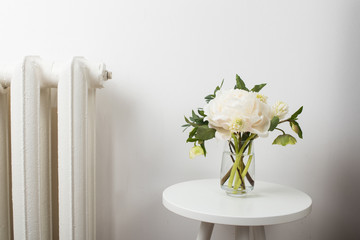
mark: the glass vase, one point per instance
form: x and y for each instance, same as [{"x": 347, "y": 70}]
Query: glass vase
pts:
[{"x": 237, "y": 174}]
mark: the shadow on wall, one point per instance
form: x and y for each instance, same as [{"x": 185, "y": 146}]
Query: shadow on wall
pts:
[
  {"x": 115, "y": 123},
  {"x": 343, "y": 191}
]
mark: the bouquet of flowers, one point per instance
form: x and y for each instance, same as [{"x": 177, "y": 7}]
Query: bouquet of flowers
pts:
[{"x": 239, "y": 116}]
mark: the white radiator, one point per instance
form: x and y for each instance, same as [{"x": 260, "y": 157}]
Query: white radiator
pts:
[{"x": 47, "y": 149}]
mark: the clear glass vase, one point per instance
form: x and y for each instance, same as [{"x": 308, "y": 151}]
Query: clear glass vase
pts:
[{"x": 237, "y": 175}]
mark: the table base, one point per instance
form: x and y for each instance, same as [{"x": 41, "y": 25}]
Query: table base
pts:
[{"x": 241, "y": 232}]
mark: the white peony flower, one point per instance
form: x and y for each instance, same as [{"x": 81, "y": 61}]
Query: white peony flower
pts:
[
  {"x": 280, "y": 109},
  {"x": 237, "y": 110}
]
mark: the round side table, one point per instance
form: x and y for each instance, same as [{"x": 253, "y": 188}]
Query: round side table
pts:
[{"x": 267, "y": 204}]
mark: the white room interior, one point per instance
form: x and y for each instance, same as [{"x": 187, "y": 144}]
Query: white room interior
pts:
[{"x": 166, "y": 56}]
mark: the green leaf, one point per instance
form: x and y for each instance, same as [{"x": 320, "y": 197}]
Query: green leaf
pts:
[
  {"x": 210, "y": 97},
  {"x": 192, "y": 140},
  {"x": 240, "y": 84},
  {"x": 198, "y": 120},
  {"x": 185, "y": 126},
  {"x": 296, "y": 128},
  {"x": 201, "y": 112},
  {"x": 294, "y": 116},
  {"x": 273, "y": 123},
  {"x": 193, "y": 132},
  {"x": 188, "y": 121},
  {"x": 284, "y": 140},
  {"x": 205, "y": 133},
  {"x": 257, "y": 88},
  {"x": 222, "y": 82},
  {"x": 218, "y": 87},
  {"x": 194, "y": 117}
]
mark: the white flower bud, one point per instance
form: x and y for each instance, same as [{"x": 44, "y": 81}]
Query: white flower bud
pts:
[
  {"x": 280, "y": 109},
  {"x": 237, "y": 125},
  {"x": 262, "y": 97},
  {"x": 196, "y": 151}
]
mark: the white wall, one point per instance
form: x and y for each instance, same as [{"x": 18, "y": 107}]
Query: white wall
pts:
[{"x": 166, "y": 56}]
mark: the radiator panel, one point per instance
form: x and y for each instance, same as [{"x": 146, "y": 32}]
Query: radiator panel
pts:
[
  {"x": 5, "y": 206},
  {"x": 50, "y": 174},
  {"x": 25, "y": 98},
  {"x": 72, "y": 152}
]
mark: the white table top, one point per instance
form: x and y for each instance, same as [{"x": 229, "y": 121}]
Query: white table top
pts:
[{"x": 267, "y": 204}]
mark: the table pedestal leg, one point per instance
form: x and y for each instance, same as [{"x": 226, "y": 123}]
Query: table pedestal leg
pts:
[
  {"x": 242, "y": 233},
  {"x": 259, "y": 233},
  {"x": 205, "y": 231}
]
